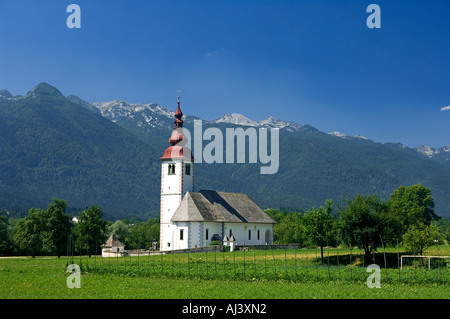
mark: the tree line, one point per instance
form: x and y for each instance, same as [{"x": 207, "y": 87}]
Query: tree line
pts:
[
  {"x": 368, "y": 222},
  {"x": 53, "y": 232}
]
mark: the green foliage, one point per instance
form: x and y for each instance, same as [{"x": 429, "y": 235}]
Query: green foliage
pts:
[
  {"x": 90, "y": 230},
  {"x": 27, "y": 233},
  {"x": 57, "y": 226},
  {"x": 319, "y": 225},
  {"x": 413, "y": 204},
  {"x": 361, "y": 222},
  {"x": 57, "y": 148},
  {"x": 6, "y": 244},
  {"x": 419, "y": 237},
  {"x": 290, "y": 229},
  {"x": 46, "y": 279},
  {"x": 444, "y": 229}
]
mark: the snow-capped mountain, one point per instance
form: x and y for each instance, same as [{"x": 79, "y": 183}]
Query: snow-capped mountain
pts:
[
  {"x": 151, "y": 114},
  {"x": 441, "y": 154},
  {"x": 432, "y": 152},
  {"x": 239, "y": 119},
  {"x": 339, "y": 134}
]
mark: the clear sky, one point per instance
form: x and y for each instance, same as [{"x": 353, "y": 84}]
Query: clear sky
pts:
[{"x": 313, "y": 62}]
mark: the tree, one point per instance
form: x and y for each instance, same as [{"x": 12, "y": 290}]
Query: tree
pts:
[
  {"x": 122, "y": 230},
  {"x": 361, "y": 222},
  {"x": 419, "y": 237},
  {"x": 413, "y": 205},
  {"x": 444, "y": 229},
  {"x": 57, "y": 226},
  {"x": 319, "y": 226},
  {"x": 290, "y": 229},
  {"x": 142, "y": 234},
  {"x": 5, "y": 236},
  {"x": 27, "y": 233},
  {"x": 90, "y": 229}
]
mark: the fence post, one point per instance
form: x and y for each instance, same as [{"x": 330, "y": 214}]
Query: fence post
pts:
[
  {"x": 234, "y": 262},
  {"x": 384, "y": 255},
  {"x": 162, "y": 264},
  {"x": 285, "y": 261},
  {"x": 317, "y": 267},
  {"x": 265, "y": 260},
  {"x": 439, "y": 258},
  {"x": 254, "y": 262},
  {"x": 339, "y": 269},
  {"x": 398, "y": 261},
  {"x": 328, "y": 260},
  {"x": 351, "y": 266},
  {"x": 295, "y": 262},
  {"x": 244, "y": 264}
]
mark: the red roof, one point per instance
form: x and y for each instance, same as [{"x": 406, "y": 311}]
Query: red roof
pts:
[{"x": 177, "y": 152}]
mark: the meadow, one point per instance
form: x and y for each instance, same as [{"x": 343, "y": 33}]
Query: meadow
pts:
[{"x": 253, "y": 274}]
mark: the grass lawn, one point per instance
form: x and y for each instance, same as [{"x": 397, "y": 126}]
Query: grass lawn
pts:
[{"x": 45, "y": 278}]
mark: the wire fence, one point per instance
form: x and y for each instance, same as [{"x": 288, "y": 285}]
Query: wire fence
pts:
[{"x": 285, "y": 263}]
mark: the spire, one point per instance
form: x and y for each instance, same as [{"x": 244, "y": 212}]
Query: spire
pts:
[
  {"x": 177, "y": 150},
  {"x": 178, "y": 114},
  {"x": 176, "y": 136}
]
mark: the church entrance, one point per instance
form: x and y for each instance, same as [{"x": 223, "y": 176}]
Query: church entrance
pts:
[{"x": 268, "y": 237}]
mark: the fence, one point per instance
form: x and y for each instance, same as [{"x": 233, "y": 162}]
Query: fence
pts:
[{"x": 278, "y": 263}]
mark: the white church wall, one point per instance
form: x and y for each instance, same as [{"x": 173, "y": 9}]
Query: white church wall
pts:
[
  {"x": 209, "y": 229},
  {"x": 188, "y": 179},
  {"x": 170, "y": 183},
  {"x": 250, "y": 233}
]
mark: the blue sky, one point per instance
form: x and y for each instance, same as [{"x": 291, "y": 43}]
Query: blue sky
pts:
[{"x": 313, "y": 62}]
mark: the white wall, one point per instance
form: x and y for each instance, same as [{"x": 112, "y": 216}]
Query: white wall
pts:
[
  {"x": 194, "y": 233},
  {"x": 240, "y": 231},
  {"x": 173, "y": 188}
]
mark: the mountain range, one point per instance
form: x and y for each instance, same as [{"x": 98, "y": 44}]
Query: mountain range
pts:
[{"x": 107, "y": 154}]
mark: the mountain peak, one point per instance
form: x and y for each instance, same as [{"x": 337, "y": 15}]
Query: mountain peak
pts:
[
  {"x": 236, "y": 118},
  {"x": 239, "y": 119},
  {"x": 44, "y": 89},
  {"x": 5, "y": 94}
]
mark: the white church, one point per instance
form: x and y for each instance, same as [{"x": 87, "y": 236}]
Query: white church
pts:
[{"x": 191, "y": 219}]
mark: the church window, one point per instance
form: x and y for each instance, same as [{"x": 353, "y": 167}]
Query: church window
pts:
[
  {"x": 207, "y": 234},
  {"x": 231, "y": 233},
  {"x": 181, "y": 234},
  {"x": 249, "y": 234},
  {"x": 258, "y": 234},
  {"x": 171, "y": 169},
  {"x": 188, "y": 169}
]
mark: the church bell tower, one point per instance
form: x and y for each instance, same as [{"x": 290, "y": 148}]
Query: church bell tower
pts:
[{"x": 177, "y": 178}]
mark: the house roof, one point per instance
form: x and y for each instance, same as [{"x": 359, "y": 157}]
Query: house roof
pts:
[
  {"x": 113, "y": 242},
  {"x": 212, "y": 206}
]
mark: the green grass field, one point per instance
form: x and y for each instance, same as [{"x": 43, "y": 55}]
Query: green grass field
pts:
[{"x": 290, "y": 274}]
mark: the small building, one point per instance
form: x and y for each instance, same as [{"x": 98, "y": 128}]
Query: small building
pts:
[{"x": 113, "y": 247}]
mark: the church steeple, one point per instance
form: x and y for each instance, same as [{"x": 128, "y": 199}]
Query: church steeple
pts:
[
  {"x": 177, "y": 178},
  {"x": 177, "y": 150},
  {"x": 178, "y": 115}
]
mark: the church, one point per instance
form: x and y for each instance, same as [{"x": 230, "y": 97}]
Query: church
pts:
[{"x": 191, "y": 219}]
